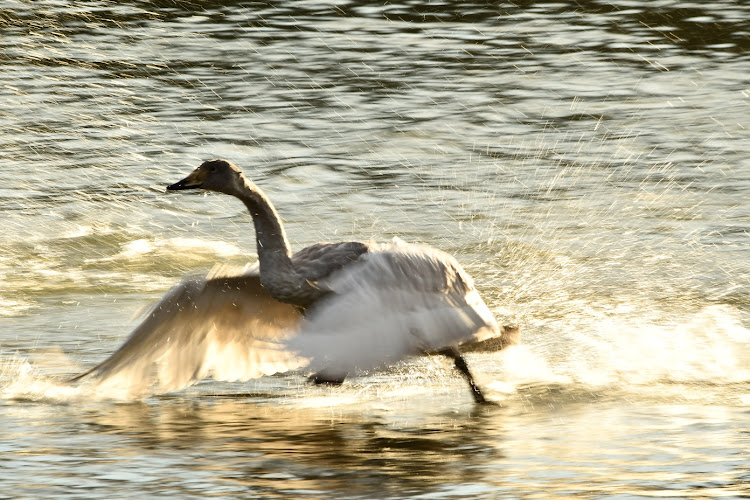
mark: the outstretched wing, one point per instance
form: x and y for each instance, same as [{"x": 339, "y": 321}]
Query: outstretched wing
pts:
[
  {"x": 396, "y": 301},
  {"x": 225, "y": 326}
]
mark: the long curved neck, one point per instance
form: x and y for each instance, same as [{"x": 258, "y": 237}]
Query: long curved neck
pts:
[
  {"x": 277, "y": 272},
  {"x": 269, "y": 232}
]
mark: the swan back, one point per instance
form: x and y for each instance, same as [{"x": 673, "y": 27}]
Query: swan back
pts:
[{"x": 322, "y": 260}]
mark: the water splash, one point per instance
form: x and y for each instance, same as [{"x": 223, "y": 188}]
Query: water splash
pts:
[
  {"x": 619, "y": 354},
  {"x": 22, "y": 380},
  {"x": 612, "y": 356}
]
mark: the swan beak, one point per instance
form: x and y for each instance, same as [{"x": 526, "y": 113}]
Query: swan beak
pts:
[{"x": 192, "y": 181}]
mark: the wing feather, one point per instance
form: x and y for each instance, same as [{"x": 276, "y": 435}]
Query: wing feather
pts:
[{"x": 225, "y": 326}]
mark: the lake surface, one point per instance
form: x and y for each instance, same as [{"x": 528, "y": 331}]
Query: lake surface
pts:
[{"x": 588, "y": 163}]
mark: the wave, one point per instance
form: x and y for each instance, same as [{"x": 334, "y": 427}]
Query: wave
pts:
[
  {"x": 688, "y": 358},
  {"x": 708, "y": 349}
]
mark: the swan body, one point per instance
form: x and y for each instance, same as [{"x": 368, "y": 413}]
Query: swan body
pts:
[
  {"x": 397, "y": 300},
  {"x": 330, "y": 308}
]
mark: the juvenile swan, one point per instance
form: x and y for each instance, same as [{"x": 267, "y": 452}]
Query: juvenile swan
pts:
[{"x": 331, "y": 308}]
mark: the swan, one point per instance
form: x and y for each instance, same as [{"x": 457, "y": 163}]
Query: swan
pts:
[{"x": 332, "y": 309}]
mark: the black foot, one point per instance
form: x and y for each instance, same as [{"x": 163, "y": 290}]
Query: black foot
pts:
[
  {"x": 461, "y": 366},
  {"x": 319, "y": 379}
]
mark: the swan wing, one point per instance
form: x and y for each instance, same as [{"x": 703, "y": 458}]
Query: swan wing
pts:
[
  {"x": 398, "y": 300},
  {"x": 323, "y": 259},
  {"x": 225, "y": 326}
]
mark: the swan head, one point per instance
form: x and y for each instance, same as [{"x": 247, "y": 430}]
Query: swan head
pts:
[{"x": 214, "y": 175}]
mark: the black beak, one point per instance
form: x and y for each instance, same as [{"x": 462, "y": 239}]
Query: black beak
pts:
[
  {"x": 193, "y": 181},
  {"x": 183, "y": 184}
]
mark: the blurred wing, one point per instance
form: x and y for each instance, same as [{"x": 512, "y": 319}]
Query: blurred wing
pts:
[
  {"x": 397, "y": 301},
  {"x": 224, "y": 326}
]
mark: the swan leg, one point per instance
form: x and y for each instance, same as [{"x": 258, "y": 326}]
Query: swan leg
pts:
[
  {"x": 323, "y": 379},
  {"x": 461, "y": 366}
]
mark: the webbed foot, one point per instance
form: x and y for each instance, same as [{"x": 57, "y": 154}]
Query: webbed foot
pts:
[{"x": 322, "y": 379}]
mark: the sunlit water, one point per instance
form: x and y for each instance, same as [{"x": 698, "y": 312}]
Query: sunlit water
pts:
[{"x": 588, "y": 163}]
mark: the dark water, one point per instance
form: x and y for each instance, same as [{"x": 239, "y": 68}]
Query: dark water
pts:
[{"x": 587, "y": 162}]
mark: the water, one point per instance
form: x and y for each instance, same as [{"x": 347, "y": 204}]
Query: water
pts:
[{"x": 587, "y": 163}]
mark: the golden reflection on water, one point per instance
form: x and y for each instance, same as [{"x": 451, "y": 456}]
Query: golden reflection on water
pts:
[
  {"x": 237, "y": 445},
  {"x": 312, "y": 449}
]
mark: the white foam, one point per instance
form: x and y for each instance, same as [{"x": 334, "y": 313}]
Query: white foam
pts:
[
  {"x": 710, "y": 346},
  {"x": 19, "y": 379},
  {"x": 178, "y": 246}
]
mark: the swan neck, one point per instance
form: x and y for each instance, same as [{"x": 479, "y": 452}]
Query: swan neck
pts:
[
  {"x": 269, "y": 231},
  {"x": 277, "y": 272}
]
